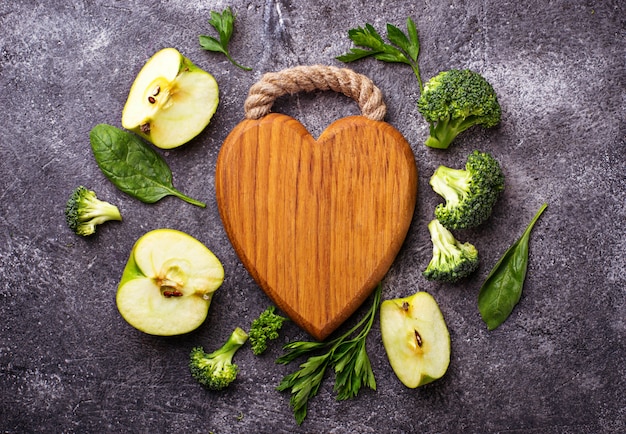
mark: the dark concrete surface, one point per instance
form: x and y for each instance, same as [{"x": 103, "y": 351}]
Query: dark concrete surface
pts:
[{"x": 68, "y": 361}]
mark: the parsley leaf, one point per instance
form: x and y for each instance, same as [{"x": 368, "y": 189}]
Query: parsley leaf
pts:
[
  {"x": 347, "y": 355},
  {"x": 403, "y": 48},
  {"x": 224, "y": 23}
]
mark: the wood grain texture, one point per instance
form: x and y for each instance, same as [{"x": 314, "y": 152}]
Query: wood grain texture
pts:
[{"x": 317, "y": 223}]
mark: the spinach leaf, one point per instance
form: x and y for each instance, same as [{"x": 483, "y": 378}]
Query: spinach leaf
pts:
[
  {"x": 133, "y": 166},
  {"x": 503, "y": 287}
]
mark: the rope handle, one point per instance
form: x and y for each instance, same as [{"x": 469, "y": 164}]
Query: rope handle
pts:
[{"x": 272, "y": 85}]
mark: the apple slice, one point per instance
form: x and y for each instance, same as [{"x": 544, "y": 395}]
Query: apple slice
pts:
[
  {"x": 168, "y": 283},
  {"x": 171, "y": 101},
  {"x": 416, "y": 338}
]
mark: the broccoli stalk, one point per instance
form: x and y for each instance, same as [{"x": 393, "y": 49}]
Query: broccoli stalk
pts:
[
  {"x": 452, "y": 260},
  {"x": 470, "y": 194},
  {"x": 216, "y": 370},
  {"x": 454, "y": 101},
  {"x": 444, "y": 131},
  {"x": 83, "y": 211},
  {"x": 265, "y": 328}
]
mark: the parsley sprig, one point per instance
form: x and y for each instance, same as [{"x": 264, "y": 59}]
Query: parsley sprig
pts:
[
  {"x": 224, "y": 23},
  {"x": 403, "y": 48},
  {"x": 346, "y": 354}
]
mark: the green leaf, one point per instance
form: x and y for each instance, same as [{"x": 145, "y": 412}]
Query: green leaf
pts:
[
  {"x": 353, "y": 370},
  {"x": 361, "y": 358},
  {"x": 414, "y": 43},
  {"x": 304, "y": 384},
  {"x": 298, "y": 349},
  {"x": 299, "y": 412},
  {"x": 224, "y": 24},
  {"x": 342, "y": 351},
  {"x": 370, "y": 380},
  {"x": 209, "y": 43},
  {"x": 132, "y": 166},
  {"x": 216, "y": 20},
  {"x": 502, "y": 289},
  {"x": 356, "y": 54},
  {"x": 367, "y": 37},
  {"x": 392, "y": 56},
  {"x": 373, "y": 33},
  {"x": 397, "y": 37}
]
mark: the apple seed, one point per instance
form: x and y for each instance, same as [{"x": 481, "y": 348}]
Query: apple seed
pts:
[{"x": 418, "y": 338}]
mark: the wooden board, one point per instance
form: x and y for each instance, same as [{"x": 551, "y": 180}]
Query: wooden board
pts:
[{"x": 317, "y": 223}]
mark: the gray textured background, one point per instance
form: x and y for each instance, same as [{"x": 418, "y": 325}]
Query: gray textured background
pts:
[{"x": 69, "y": 363}]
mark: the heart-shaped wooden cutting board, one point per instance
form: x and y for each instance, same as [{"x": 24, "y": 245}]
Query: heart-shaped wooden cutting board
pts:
[{"x": 316, "y": 222}]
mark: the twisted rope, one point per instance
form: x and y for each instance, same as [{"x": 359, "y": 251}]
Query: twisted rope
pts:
[{"x": 316, "y": 77}]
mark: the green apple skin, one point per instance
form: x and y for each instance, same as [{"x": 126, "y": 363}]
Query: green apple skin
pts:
[
  {"x": 416, "y": 338},
  {"x": 168, "y": 283},
  {"x": 171, "y": 101}
]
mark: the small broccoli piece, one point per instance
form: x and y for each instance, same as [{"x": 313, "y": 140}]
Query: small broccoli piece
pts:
[
  {"x": 451, "y": 261},
  {"x": 455, "y": 100},
  {"x": 470, "y": 194},
  {"x": 216, "y": 371},
  {"x": 265, "y": 328},
  {"x": 84, "y": 211}
]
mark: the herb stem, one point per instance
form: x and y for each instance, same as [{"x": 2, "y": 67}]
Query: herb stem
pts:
[
  {"x": 372, "y": 315},
  {"x": 245, "y": 68},
  {"x": 368, "y": 318},
  {"x": 416, "y": 71}
]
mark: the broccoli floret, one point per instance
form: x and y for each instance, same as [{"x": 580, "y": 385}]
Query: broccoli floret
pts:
[
  {"x": 452, "y": 260},
  {"x": 265, "y": 328},
  {"x": 455, "y": 100},
  {"x": 216, "y": 371},
  {"x": 84, "y": 211},
  {"x": 470, "y": 194}
]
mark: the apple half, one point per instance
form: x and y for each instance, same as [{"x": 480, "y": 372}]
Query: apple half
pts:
[
  {"x": 416, "y": 338},
  {"x": 171, "y": 101},
  {"x": 168, "y": 283}
]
